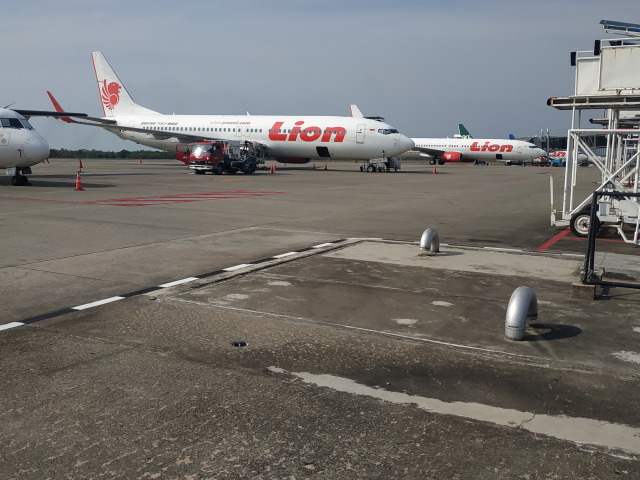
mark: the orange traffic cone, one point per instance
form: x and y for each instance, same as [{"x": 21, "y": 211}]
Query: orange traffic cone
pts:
[
  {"x": 271, "y": 170},
  {"x": 78, "y": 182},
  {"x": 434, "y": 170},
  {"x": 80, "y": 160},
  {"x": 140, "y": 159},
  {"x": 355, "y": 161},
  {"x": 314, "y": 166},
  {"x": 325, "y": 166}
]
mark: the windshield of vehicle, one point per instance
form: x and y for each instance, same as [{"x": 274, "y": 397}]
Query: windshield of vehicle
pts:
[{"x": 201, "y": 149}]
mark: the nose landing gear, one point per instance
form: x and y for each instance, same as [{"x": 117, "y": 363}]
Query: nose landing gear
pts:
[{"x": 19, "y": 178}]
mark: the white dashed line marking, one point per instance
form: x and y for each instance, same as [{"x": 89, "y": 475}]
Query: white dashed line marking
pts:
[
  {"x": 237, "y": 267},
  {"x": 7, "y": 326},
  {"x": 322, "y": 245},
  {"x": 95, "y": 304},
  {"x": 178, "y": 282},
  {"x": 282, "y": 255}
]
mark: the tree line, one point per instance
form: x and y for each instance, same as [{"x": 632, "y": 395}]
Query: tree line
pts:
[{"x": 123, "y": 154}]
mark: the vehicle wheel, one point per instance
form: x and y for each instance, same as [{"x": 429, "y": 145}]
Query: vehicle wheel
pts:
[
  {"x": 219, "y": 169},
  {"x": 361, "y": 168},
  {"x": 369, "y": 168},
  {"x": 252, "y": 168},
  {"x": 24, "y": 180},
  {"x": 15, "y": 181},
  {"x": 580, "y": 223}
]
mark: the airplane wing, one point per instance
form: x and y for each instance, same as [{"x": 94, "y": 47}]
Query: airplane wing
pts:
[
  {"x": 111, "y": 124},
  {"x": 429, "y": 151},
  {"x": 45, "y": 113}
]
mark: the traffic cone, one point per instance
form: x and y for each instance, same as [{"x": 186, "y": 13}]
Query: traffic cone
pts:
[
  {"x": 80, "y": 160},
  {"x": 78, "y": 182},
  {"x": 314, "y": 166},
  {"x": 271, "y": 169},
  {"x": 140, "y": 159},
  {"x": 434, "y": 170},
  {"x": 325, "y": 166},
  {"x": 355, "y": 161}
]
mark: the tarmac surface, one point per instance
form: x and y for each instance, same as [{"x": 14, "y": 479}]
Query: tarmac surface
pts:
[{"x": 160, "y": 324}]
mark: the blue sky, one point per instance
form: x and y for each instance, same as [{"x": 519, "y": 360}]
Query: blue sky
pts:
[{"x": 424, "y": 66}]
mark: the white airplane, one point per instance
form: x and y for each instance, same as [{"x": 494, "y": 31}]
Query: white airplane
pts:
[
  {"x": 464, "y": 148},
  {"x": 21, "y": 146},
  {"x": 289, "y": 139}
]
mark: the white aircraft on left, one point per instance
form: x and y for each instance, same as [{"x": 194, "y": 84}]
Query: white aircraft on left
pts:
[{"x": 21, "y": 146}]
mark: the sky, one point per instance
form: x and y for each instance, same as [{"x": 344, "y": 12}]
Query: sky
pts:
[{"x": 424, "y": 66}]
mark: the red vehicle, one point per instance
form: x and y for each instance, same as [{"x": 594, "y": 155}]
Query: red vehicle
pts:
[{"x": 218, "y": 157}]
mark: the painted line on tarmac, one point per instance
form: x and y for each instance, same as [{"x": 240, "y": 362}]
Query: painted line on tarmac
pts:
[
  {"x": 553, "y": 240},
  {"x": 614, "y": 437},
  {"x": 10, "y": 325},
  {"x": 97, "y": 303},
  {"x": 143, "y": 291}
]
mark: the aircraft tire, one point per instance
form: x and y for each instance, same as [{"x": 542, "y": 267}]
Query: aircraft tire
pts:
[{"x": 370, "y": 168}]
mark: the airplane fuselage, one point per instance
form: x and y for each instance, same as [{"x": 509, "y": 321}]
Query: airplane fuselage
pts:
[
  {"x": 286, "y": 137},
  {"x": 477, "y": 149}
]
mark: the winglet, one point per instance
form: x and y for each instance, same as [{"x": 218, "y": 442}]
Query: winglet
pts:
[
  {"x": 58, "y": 108},
  {"x": 355, "y": 112}
]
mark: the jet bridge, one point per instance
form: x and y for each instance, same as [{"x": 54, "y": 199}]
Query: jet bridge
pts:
[{"x": 606, "y": 78}]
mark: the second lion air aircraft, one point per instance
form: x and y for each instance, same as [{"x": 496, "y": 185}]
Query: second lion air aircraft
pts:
[
  {"x": 464, "y": 148},
  {"x": 290, "y": 139}
]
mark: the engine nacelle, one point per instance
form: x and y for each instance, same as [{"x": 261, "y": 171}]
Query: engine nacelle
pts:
[{"x": 451, "y": 157}]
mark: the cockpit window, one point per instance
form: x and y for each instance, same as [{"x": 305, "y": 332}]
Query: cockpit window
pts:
[
  {"x": 387, "y": 131},
  {"x": 11, "y": 123},
  {"x": 26, "y": 124}
]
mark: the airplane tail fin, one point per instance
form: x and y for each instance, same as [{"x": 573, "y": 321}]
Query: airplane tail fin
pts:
[
  {"x": 512, "y": 136},
  {"x": 463, "y": 131},
  {"x": 114, "y": 97},
  {"x": 355, "y": 111}
]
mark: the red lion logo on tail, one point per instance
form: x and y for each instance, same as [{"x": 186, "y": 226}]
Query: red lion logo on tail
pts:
[{"x": 110, "y": 94}]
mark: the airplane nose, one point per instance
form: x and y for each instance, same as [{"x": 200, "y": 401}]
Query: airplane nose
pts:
[
  {"x": 36, "y": 149},
  {"x": 403, "y": 144}
]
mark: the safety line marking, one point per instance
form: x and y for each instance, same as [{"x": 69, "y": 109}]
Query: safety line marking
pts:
[
  {"x": 99, "y": 302},
  {"x": 553, "y": 240},
  {"x": 7, "y": 326},
  {"x": 282, "y": 255},
  {"x": 178, "y": 282},
  {"x": 322, "y": 245},
  {"x": 237, "y": 267},
  {"x": 142, "y": 291}
]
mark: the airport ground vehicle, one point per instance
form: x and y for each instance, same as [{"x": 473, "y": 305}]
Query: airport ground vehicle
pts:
[
  {"x": 381, "y": 165},
  {"x": 558, "y": 162},
  {"x": 218, "y": 157}
]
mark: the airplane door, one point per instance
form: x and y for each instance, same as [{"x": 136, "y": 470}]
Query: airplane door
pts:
[
  {"x": 519, "y": 148},
  {"x": 239, "y": 131},
  {"x": 360, "y": 133}
]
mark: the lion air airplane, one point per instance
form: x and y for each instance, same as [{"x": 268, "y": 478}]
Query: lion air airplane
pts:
[
  {"x": 290, "y": 139},
  {"x": 21, "y": 146},
  {"x": 464, "y": 148}
]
